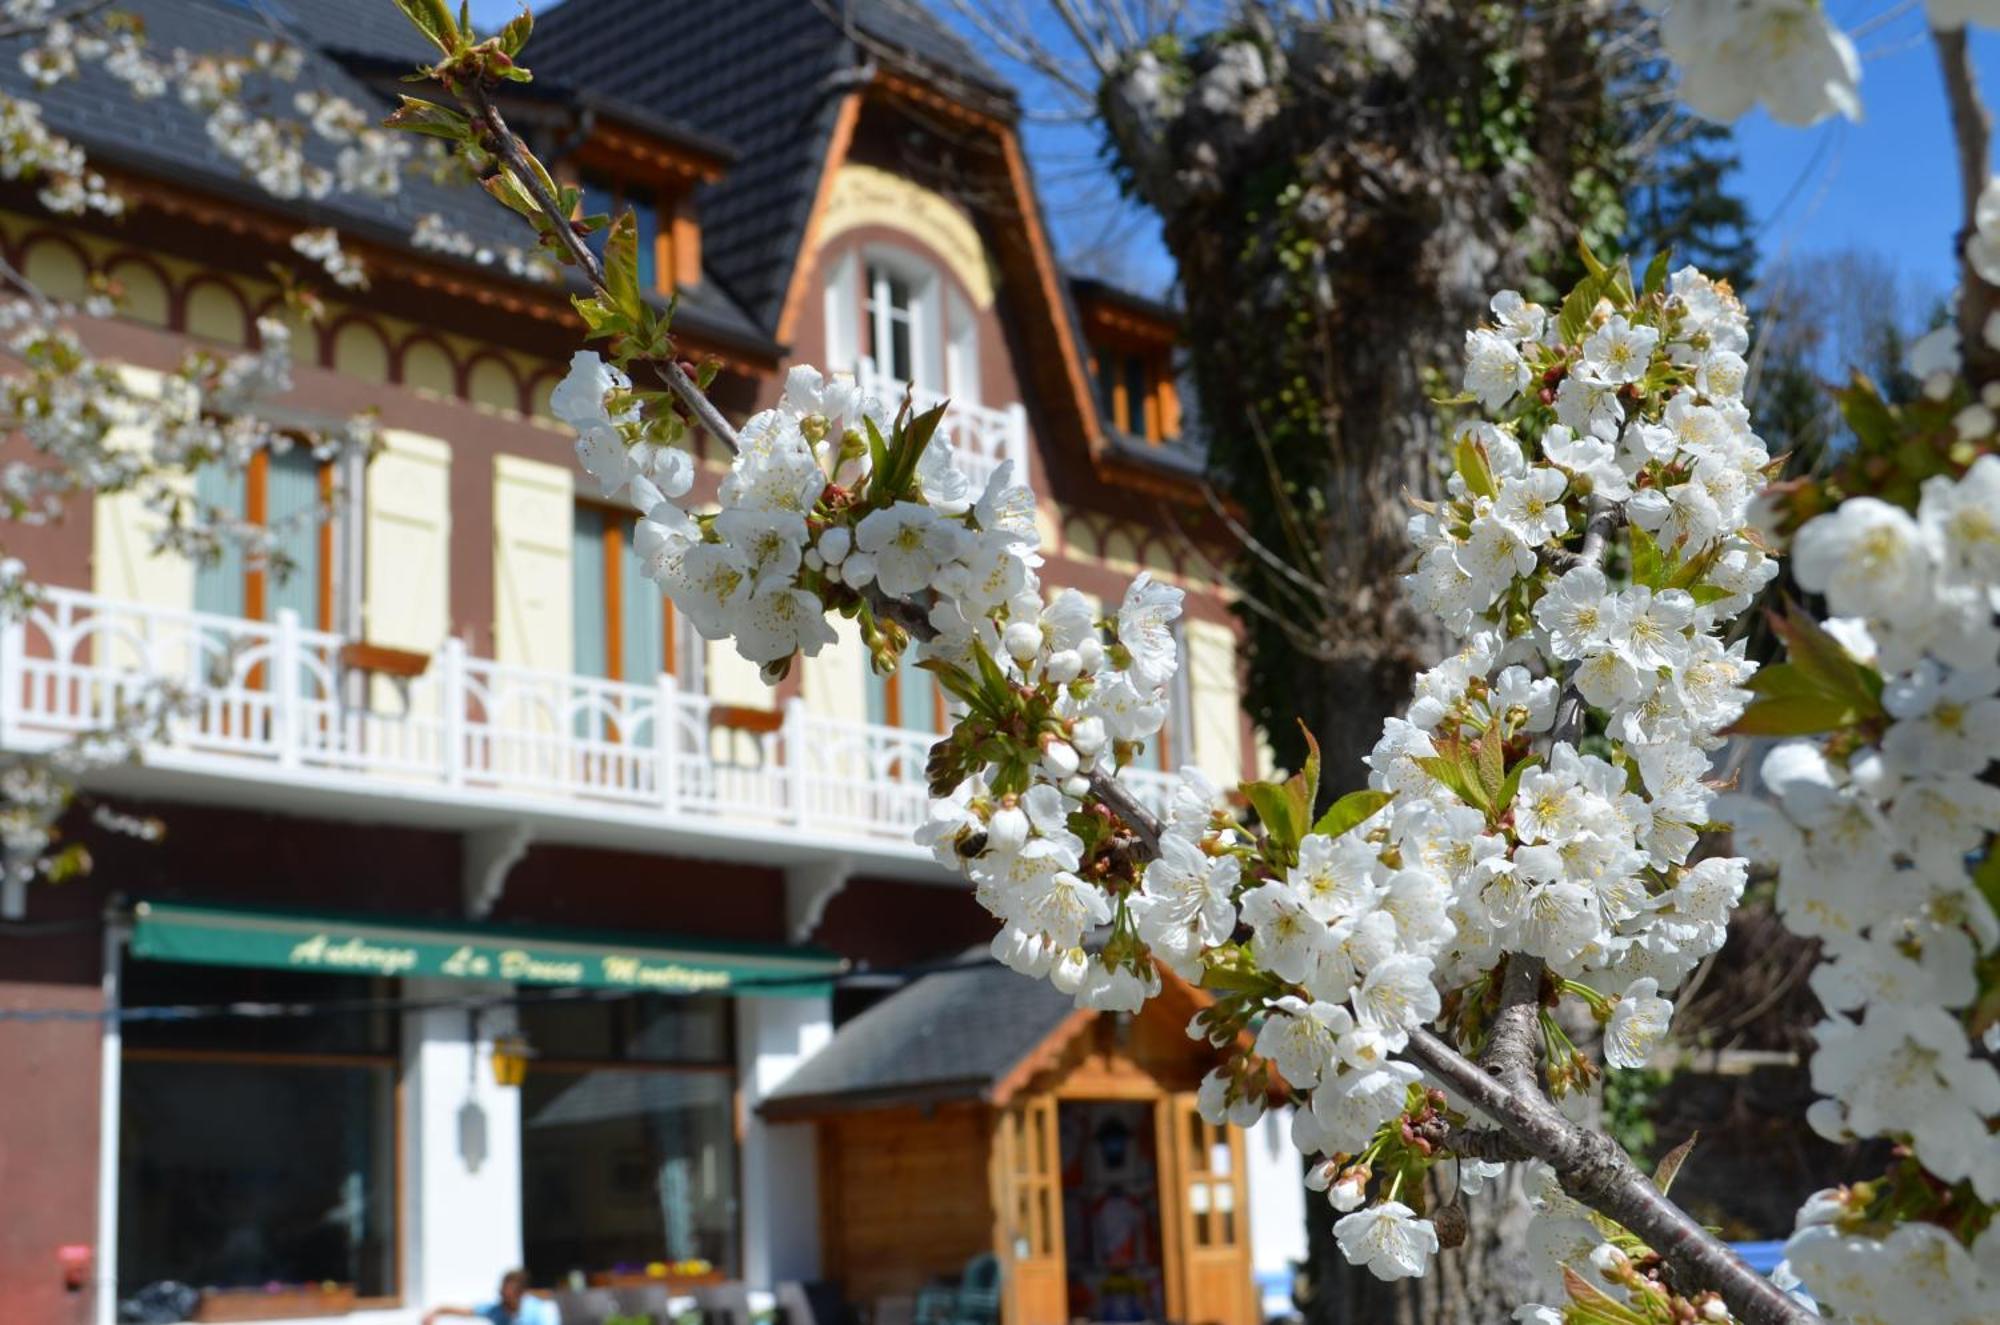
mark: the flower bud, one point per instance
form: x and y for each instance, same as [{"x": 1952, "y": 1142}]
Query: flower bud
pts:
[
  {"x": 858, "y": 569},
  {"x": 1007, "y": 830},
  {"x": 1069, "y": 970},
  {"x": 1059, "y": 758},
  {"x": 1091, "y": 652},
  {"x": 835, "y": 544},
  {"x": 1088, "y": 736},
  {"x": 1076, "y": 788},
  {"x": 1022, "y": 641},
  {"x": 1349, "y": 1192},
  {"x": 1063, "y": 666}
]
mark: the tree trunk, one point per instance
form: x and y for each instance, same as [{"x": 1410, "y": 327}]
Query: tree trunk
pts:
[{"x": 1342, "y": 199}]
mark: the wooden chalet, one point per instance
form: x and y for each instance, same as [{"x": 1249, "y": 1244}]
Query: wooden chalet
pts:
[{"x": 1108, "y": 1197}]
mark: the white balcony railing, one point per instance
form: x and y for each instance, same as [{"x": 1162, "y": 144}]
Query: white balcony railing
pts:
[
  {"x": 981, "y": 437},
  {"x": 277, "y": 701}
]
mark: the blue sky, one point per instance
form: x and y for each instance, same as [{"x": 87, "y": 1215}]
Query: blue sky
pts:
[{"x": 1886, "y": 184}]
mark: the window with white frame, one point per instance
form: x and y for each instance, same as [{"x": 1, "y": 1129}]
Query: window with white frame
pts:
[{"x": 898, "y": 311}]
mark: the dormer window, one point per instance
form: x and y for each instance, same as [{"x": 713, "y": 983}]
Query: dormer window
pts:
[
  {"x": 1132, "y": 361},
  {"x": 605, "y": 197}
]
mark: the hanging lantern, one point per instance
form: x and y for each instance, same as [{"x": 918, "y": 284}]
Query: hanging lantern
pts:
[{"x": 510, "y": 1059}]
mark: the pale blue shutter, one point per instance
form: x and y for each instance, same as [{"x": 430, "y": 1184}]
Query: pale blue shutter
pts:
[
  {"x": 292, "y": 502},
  {"x": 644, "y": 619},
  {"x": 589, "y": 632},
  {"x": 218, "y": 587}
]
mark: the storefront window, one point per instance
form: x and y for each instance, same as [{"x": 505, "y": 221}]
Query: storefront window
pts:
[
  {"x": 628, "y": 1138},
  {"x": 258, "y": 1154}
]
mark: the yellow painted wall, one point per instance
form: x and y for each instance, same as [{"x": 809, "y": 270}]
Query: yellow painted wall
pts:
[{"x": 533, "y": 522}]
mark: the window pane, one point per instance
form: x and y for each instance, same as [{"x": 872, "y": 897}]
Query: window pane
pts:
[
  {"x": 599, "y": 199},
  {"x": 237, "y": 1175},
  {"x": 654, "y": 1028},
  {"x": 1136, "y": 394},
  {"x": 356, "y": 1030},
  {"x": 292, "y": 509},
  {"x": 219, "y": 587},
  {"x": 900, "y": 362},
  {"x": 646, "y": 213},
  {"x": 586, "y": 597},
  {"x": 621, "y": 1168},
  {"x": 1107, "y": 399}
]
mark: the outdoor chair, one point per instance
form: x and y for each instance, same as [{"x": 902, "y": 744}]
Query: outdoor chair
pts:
[
  {"x": 592, "y": 1306},
  {"x": 978, "y": 1293},
  {"x": 724, "y": 1304}
]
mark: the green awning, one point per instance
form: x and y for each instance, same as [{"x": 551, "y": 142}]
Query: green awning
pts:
[{"x": 354, "y": 945}]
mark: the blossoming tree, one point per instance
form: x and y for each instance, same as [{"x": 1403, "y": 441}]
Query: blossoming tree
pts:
[{"x": 1529, "y": 854}]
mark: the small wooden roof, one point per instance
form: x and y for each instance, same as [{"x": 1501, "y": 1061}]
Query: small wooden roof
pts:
[{"x": 973, "y": 1032}]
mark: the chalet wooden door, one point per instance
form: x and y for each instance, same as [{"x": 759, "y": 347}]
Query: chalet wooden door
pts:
[
  {"x": 1028, "y": 1201},
  {"x": 1207, "y": 1218}
]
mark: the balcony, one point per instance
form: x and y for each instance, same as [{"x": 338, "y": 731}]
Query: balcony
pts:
[
  {"x": 981, "y": 437},
  {"x": 273, "y": 716}
]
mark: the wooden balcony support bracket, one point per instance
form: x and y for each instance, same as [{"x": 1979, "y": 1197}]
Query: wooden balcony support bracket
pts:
[
  {"x": 487, "y": 857},
  {"x": 808, "y": 890}
]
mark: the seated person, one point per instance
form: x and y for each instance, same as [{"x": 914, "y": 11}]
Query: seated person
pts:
[{"x": 512, "y": 1307}]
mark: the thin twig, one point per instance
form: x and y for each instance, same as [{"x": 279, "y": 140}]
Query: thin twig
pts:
[{"x": 502, "y": 142}]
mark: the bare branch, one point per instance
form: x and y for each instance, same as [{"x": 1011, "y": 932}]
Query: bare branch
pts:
[{"x": 1972, "y": 131}]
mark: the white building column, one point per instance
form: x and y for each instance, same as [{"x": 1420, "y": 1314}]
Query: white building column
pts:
[
  {"x": 462, "y": 1174},
  {"x": 1274, "y": 1177},
  {"x": 780, "y": 1164}
]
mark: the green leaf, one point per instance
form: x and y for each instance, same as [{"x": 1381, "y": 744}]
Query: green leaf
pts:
[
  {"x": 1492, "y": 755},
  {"x": 434, "y": 20},
  {"x": 1512, "y": 785},
  {"x": 1350, "y": 811},
  {"x": 1656, "y": 272},
  {"x": 416, "y": 115},
  {"x": 878, "y": 458},
  {"x": 1591, "y": 262},
  {"x": 509, "y": 191},
  {"x": 1469, "y": 458},
  {"x": 1275, "y": 808},
  {"x": 1670, "y": 1166},
  {"x": 1574, "y": 319},
  {"x": 621, "y": 266},
  {"x": 1792, "y": 715},
  {"x": 1648, "y": 566},
  {"x": 1304, "y": 784},
  {"x": 1451, "y": 770},
  {"x": 1868, "y": 414},
  {"x": 515, "y": 35},
  {"x": 1820, "y": 657}
]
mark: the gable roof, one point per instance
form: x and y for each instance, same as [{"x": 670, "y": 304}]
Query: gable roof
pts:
[
  {"x": 771, "y": 76},
  {"x": 956, "y": 1033},
  {"x": 340, "y": 41}
]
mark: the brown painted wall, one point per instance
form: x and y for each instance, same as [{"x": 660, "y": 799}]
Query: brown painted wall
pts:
[{"x": 48, "y": 1146}]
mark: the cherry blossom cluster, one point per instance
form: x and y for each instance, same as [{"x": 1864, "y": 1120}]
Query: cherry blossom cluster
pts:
[
  {"x": 1881, "y": 834},
  {"x": 1589, "y": 550}
]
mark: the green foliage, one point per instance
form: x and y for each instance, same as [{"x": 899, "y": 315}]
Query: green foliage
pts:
[
  {"x": 1818, "y": 689},
  {"x": 1629, "y": 1100}
]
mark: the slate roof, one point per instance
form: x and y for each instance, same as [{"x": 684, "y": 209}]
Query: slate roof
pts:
[
  {"x": 765, "y": 74},
  {"x": 954, "y": 1033},
  {"x": 164, "y": 138}
]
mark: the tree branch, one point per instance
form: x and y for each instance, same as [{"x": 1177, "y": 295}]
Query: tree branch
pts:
[
  {"x": 1594, "y": 1170},
  {"x": 513, "y": 155},
  {"x": 1972, "y": 131}
]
